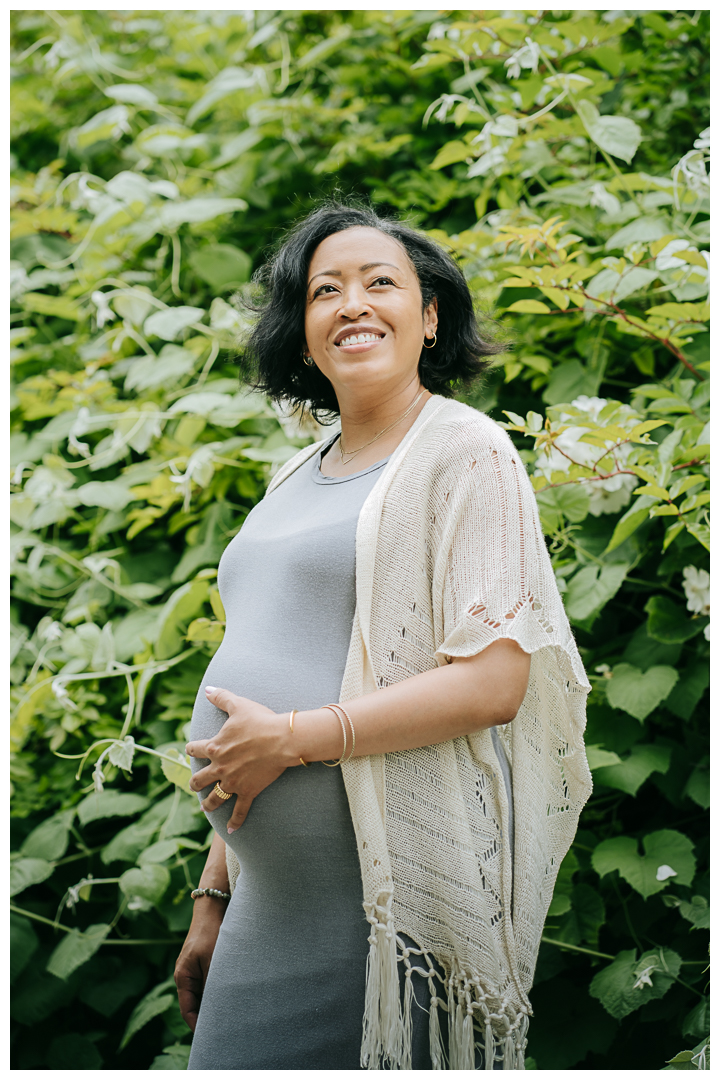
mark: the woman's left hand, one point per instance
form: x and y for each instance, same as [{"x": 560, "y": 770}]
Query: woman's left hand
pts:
[{"x": 248, "y": 753}]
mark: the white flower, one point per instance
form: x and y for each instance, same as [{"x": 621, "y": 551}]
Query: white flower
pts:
[
  {"x": 706, "y": 632},
  {"x": 606, "y": 496},
  {"x": 104, "y": 312},
  {"x": 696, "y": 584},
  {"x": 599, "y": 196},
  {"x": 666, "y": 259},
  {"x": 528, "y": 56},
  {"x": 643, "y": 978},
  {"x": 609, "y": 496}
]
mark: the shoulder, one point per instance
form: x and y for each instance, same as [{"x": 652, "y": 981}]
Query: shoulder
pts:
[
  {"x": 458, "y": 434},
  {"x": 294, "y": 463}
]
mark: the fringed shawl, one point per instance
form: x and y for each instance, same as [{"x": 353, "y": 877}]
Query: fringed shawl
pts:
[{"x": 450, "y": 556}]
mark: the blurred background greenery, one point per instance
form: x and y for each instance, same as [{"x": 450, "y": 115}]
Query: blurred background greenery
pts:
[{"x": 156, "y": 155}]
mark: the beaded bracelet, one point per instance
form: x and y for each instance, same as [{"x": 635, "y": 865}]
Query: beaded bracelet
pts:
[{"x": 197, "y": 893}]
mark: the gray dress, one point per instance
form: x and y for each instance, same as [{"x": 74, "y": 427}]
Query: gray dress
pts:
[{"x": 286, "y": 985}]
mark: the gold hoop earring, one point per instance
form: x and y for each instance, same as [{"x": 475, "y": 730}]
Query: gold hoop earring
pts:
[
  {"x": 433, "y": 344},
  {"x": 308, "y": 360}
]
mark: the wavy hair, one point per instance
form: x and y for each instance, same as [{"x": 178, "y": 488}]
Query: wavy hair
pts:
[{"x": 273, "y": 354}]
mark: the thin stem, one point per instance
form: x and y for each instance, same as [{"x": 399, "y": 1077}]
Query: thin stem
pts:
[
  {"x": 576, "y": 948},
  {"x": 114, "y": 941},
  {"x": 175, "y": 273}
]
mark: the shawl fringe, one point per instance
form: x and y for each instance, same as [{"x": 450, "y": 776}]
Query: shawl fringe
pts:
[{"x": 474, "y": 1016}]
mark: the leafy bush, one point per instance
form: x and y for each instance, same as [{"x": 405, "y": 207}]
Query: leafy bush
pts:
[{"x": 562, "y": 158}]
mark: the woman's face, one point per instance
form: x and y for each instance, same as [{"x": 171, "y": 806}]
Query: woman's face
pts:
[{"x": 364, "y": 317}]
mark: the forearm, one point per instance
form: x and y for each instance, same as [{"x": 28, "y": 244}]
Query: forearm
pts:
[
  {"x": 215, "y": 875},
  {"x": 444, "y": 703}
]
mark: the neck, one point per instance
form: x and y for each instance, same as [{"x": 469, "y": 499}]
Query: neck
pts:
[
  {"x": 363, "y": 421},
  {"x": 363, "y": 416}
]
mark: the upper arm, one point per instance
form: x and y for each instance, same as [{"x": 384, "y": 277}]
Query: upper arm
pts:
[{"x": 501, "y": 672}]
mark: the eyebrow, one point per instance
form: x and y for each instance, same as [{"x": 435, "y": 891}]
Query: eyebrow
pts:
[{"x": 338, "y": 273}]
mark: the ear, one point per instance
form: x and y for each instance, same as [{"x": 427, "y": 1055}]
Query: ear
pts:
[{"x": 430, "y": 321}]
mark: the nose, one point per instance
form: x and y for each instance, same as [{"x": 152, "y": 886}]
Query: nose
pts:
[{"x": 355, "y": 302}]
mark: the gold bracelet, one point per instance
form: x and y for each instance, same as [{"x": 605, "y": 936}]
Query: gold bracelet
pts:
[
  {"x": 332, "y": 764},
  {"x": 292, "y": 717},
  {"x": 352, "y": 729}
]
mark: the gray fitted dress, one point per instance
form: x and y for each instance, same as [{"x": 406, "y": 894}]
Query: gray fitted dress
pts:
[{"x": 286, "y": 985}]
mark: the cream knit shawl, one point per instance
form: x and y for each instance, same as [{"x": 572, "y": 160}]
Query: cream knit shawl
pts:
[{"x": 450, "y": 557}]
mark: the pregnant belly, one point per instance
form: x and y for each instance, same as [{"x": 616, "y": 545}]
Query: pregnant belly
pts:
[{"x": 299, "y": 830}]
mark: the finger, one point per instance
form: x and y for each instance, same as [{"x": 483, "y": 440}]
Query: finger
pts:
[
  {"x": 189, "y": 1007},
  {"x": 212, "y": 802},
  {"x": 197, "y": 749},
  {"x": 240, "y": 812},
  {"x": 203, "y": 778},
  {"x": 222, "y": 699}
]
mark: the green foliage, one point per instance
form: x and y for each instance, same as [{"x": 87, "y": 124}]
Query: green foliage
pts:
[{"x": 562, "y": 157}]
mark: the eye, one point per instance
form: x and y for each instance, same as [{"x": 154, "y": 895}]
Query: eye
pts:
[
  {"x": 320, "y": 291},
  {"x": 382, "y": 281}
]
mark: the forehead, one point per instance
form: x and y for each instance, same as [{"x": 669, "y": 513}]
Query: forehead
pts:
[{"x": 355, "y": 247}]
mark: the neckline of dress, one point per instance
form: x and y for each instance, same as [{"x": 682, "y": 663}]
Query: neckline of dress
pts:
[{"x": 319, "y": 476}]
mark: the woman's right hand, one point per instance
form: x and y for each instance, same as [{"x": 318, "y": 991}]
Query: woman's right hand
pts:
[{"x": 193, "y": 962}]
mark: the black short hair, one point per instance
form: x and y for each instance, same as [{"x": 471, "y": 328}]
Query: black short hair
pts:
[{"x": 273, "y": 356}]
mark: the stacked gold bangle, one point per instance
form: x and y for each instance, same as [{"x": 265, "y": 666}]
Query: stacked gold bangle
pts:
[{"x": 340, "y": 713}]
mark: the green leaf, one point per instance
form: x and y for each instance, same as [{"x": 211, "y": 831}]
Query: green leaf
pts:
[
  {"x": 159, "y": 852},
  {"x": 696, "y": 1024},
  {"x": 171, "y": 363},
  {"x": 122, "y": 753},
  {"x": 50, "y": 839},
  {"x": 171, "y": 322},
  {"x": 172, "y": 1057},
  {"x": 589, "y": 591},
  {"x": 616, "y": 135},
  {"x": 146, "y": 884},
  {"x": 586, "y": 917},
  {"x": 178, "y": 770},
  {"x": 631, "y": 520},
  {"x": 529, "y": 307},
  {"x": 58, "y": 307},
  {"x": 689, "y": 689},
  {"x": 629, "y": 983},
  {"x": 73, "y": 1051},
  {"x": 27, "y": 872},
  {"x": 637, "y": 693},
  {"x": 696, "y": 911},
  {"x": 451, "y": 153},
  {"x": 221, "y": 265},
  {"x": 106, "y": 804},
  {"x": 631, "y": 774},
  {"x": 195, "y": 211},
  {"x": 75, "y": 949},
  {"x": 572, "y": 502},
  {"x": 663, "y": 849},
  {"x": 23, "y": 944},
  {"x": 109, "y": 494},
  {"x": 205, "y": 630},
  {"x": 184, "y": 604},
  {"x": 700, "y": 532},
  {"x": 598, "y": 758},
  {"x": 668, "y": 623},
  {"x": 698, "y": 785},
  {"x": 559, "y": 905},
  {"x": 153, "y": 1004}
]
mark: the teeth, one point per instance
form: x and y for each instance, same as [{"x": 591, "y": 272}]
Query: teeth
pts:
[{"x": 359, "y": 339}]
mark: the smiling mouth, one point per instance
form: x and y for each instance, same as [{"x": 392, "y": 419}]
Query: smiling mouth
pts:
[{"x": 359, "y": 339}]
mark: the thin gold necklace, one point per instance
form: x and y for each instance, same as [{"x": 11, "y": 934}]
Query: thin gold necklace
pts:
[{"x": 348, "y": 457}]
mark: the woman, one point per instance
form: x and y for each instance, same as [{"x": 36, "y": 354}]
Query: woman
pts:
[{"x": 398, "y": 573}]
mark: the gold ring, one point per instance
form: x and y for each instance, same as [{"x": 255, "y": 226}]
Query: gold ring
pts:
[{"x": 217, "y": 790}]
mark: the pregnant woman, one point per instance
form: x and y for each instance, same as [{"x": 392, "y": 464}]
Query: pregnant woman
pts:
[{"x": 388, "y": 742}]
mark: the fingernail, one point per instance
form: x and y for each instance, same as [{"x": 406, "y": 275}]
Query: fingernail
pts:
[
  {"x": 230, "y": 830},
  {"x": 210, "y": 689}
]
